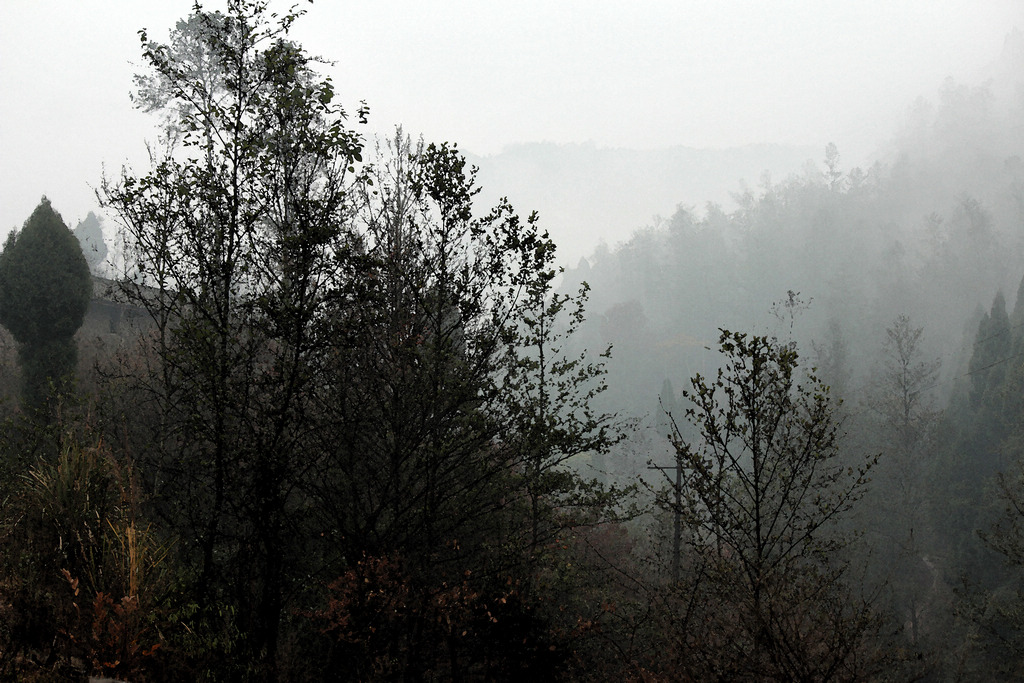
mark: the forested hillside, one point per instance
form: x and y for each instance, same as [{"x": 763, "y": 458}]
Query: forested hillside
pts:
[
  {"x": 933, "y": 233},
  {"x": 360, "y": 426},
  {"x": 899, "y": 286}
]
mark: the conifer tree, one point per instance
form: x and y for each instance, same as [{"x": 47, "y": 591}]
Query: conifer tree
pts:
[
  {"x": 905, "y": 420},
  {"x": 89, "y": 233},
  {"x": 45, "y": 289},
  {"x": 992, "y": 346}
]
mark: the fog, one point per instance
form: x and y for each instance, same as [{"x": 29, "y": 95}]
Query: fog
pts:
[
  {"x": 752, "y": 412},
  {"x": 931, "y": 228},
  {"x": 654, "y": 76}
]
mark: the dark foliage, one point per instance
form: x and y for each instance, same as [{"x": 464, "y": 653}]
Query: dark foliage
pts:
[{"x": 45, "y": 287}]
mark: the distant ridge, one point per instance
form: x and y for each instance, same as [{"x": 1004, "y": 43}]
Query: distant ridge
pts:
[{"x": 587, "y": 194}]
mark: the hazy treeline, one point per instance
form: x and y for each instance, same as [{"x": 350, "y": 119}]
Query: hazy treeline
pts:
[
  {"x": 612, "y": 191},
  {"x": 934, "y": 233},
  {"x": 899, "y": 285}
]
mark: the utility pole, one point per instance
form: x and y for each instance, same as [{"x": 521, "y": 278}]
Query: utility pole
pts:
[{"x": 677, "y": 513}]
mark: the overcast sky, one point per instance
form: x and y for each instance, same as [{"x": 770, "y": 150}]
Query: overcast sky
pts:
[{"x": 487, "y": 75}]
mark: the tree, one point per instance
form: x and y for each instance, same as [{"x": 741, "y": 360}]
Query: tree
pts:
[
  {"x": 1000, "y": 618},
  {"x": 90, "y": 235},
  {"x": 328, "y": 344},
  {"x": 833, "y": 176},
  {"x": 998, "y": 613},
  {"x": 326, "y": 395},
  {"x": 762, "y": 488},
  {"x": 977, "y": 424},
  {"x": 904, "y": 429},
  {"x": 549, "y": 409},
  {"x": 832, "y": 359},
  {"x": 992, "y": 346},
  {"x": 45, "y": 288},
  {"x": 449, "y": 410},
  {"x": 416, "y": 322},
  {"x": 234, "y": 240}
]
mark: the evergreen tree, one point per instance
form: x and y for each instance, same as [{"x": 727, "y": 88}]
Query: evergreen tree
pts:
[
  {"x": 983, "y": 424},
  {"x": 903, "y": 428},
  {"x": 90, "y": 235},
  {"x": 992, "y": 347},
  {"x": 832, "y": 360},
  {"x": 972, "y": 449},
  {"x": 45, "y": 289},
  {"x": 1017, "y": 316}
]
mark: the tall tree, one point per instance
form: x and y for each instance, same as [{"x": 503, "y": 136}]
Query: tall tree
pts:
[
  {"x": 999, "y": 636},
  {"x": 832, "y": 360},
  {"x": 993, "y": 345},
  {"x": 234, "y": 239},
  {"x": 330, "y": 346},
  {"x": 45, "y": 289},
  {"x": 443, "y": 445},
  {"x": 549, "y": 405},
  {"x": 905, "y": 421},
  {"x": 90, "y": 235},
  {"x": 762, "y": 487}
]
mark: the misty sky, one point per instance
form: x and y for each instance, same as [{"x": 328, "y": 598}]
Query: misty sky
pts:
[{"x": 486, "y": 75}]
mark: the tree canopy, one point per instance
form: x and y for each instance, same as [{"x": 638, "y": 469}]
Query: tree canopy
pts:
[
  {"x": 45, "y": 288},
  {"x": 342, "y": 351},
  {"x": 763, "y": 487}
]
